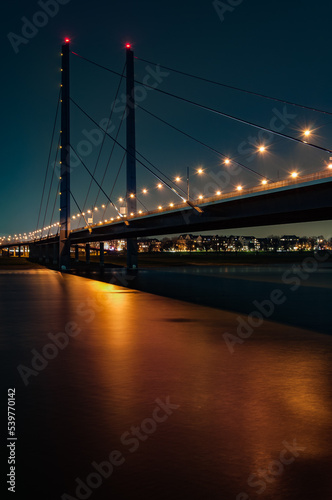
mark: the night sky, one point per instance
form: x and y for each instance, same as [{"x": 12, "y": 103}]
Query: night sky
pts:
[{"x": 279, "y": 48}]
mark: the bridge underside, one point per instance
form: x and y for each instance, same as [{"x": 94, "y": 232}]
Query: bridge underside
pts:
[{"x": 302, "y": 204}]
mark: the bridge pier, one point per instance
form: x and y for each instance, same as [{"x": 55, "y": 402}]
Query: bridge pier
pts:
[
  {"x": 132, "y": 257},
  {"x": 31, "y": 251},
  {"x": 47, "y": 253},
  {"x": 77, "y": 259},
  {"x": 55, "y": 248},
  {"x": 87, "y": 253},
  {"x": 40, "y": 249},
  {"x": 101, "y": 256},
  {"x": 34, "y": 252}
]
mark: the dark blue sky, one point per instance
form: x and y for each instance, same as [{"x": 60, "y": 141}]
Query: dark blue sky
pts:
[{"x": 279, "y": 48}]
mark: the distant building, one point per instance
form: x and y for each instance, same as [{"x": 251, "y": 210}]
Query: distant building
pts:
[
  {"x": 289, "y": 242},
  {"x": 149, "y": 245},
  {"x": 249, "y": 243}
]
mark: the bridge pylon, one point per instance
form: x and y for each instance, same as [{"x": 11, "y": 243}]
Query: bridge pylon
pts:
[
  {"x": 64, "y": 245},
  {"x": 132, "y": 260}
]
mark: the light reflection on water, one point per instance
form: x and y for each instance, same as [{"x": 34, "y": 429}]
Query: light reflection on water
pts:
[{"x": 235, "y": 410}]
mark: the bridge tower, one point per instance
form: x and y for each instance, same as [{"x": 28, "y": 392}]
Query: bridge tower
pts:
[
  {"x": 64, "y": 245},
  {"x": 131, "y": 155}
]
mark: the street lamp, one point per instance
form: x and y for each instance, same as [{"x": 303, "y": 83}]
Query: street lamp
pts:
[{"x": 199, "y": 171}]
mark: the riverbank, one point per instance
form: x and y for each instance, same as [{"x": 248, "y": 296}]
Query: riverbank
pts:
[
  {"x": 170, "y": 259},
  {"x": 12, "y": 263},
  {"x": 175, "y": 259}
]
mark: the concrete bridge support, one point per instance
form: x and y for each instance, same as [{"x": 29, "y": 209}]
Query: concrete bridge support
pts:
[
  {"x": 87, "y": 253},
  {"x": 55, "y": 251},
  {"x": 77, "y": 257},
  {"x": 34, "y": 251},
  {"x": 47, "y": 254},
  {"x": 102, "y": 257}
]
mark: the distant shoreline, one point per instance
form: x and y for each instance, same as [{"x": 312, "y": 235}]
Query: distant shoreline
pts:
[
  {"x": 176, "y": 259},
  {"x": 14, "y": 263}
]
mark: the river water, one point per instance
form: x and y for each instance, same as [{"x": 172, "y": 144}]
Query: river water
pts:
[{"x": 132, "y": 395}]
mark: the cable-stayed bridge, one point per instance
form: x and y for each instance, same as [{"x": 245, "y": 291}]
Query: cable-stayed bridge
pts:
[{"x": 294, "y": 198}]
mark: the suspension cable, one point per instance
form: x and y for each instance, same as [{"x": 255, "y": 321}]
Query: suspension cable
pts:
[
  {"x": 104, "y": 136},
  {"x": 116, "y": 178},
  {"x": 80, "y": 211},
  {"x": 110, "y": 157},
  {"x": 240, "y": 120},
  {"x": 232, "y": 87},
  {"x": 201, "y": 142},
  {"x": 51, "y": 182},
  {"x": 212, "y": 110},
  {"x": 86, "y": 168},
  {"x": 122, "y": 147},
  {"x": 49, "y": 156},
  {"x": 54, "y": 205}
]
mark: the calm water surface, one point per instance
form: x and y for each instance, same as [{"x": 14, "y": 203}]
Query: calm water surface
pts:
[{"x": 233, "y": 419}]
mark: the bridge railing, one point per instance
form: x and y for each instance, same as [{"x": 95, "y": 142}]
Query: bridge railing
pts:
[
  {"x": 269, "y": 186},
  {"x": 223, "y": 196},
  {"x": 199, "y": 202}
]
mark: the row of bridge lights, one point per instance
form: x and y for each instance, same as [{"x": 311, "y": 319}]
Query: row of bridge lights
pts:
[
  {"x": 178, "y": 179},
  {"x": 171, "y": 204},
  {"x": 200, "y": 171},
  {"x": 261, "y": 149},
  {"x": 30, "y": 235}
]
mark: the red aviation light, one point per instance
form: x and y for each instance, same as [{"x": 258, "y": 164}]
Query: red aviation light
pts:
[
  {"x": 67, "y": 40},
  {"x": 128, "y": 45}
]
